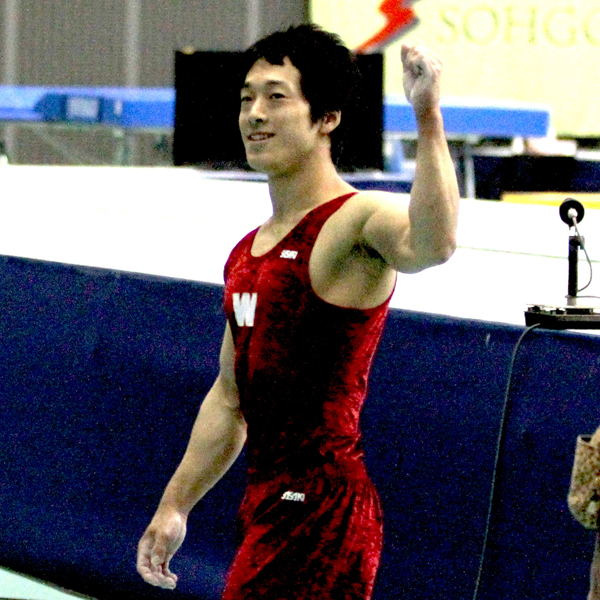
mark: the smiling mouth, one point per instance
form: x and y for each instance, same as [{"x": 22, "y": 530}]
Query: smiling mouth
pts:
[{"x": 260, "y": 137}]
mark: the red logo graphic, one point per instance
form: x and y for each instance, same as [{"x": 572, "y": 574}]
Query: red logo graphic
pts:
[{"x": 400, "y": 17}]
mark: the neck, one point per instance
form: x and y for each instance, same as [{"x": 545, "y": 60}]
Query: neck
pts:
[{"x": 300, "y": 191}]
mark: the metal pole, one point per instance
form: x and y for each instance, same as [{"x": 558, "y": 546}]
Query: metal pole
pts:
[
  {"x": 574, "y": 245},
  {"x": 469, "y": 170},
  {"x": 10, "y": 51},
  {"x": 133, "y": 12},
  {"x": 11, "y": 31},
  {"x": 253, "y": 10}
]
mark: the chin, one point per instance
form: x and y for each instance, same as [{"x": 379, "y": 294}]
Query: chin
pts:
[{"x": 261, "y": 165}]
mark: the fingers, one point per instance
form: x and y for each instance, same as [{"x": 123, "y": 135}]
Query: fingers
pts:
[
  {"x": 164, "y": 536},
  {"x": 420, "y": 60},
  {"x": 153, "y": 562},
  {"x": 416, "y": 51},
  {"x": 421, "y": 78},
  {"x": 160, "y": 561}
]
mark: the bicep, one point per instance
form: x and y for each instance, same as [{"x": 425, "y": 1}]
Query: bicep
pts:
[
  {"x": 387, "y": 231},
  {"x": 226, "y": 377},
  {"x": 220, "y": 409}
]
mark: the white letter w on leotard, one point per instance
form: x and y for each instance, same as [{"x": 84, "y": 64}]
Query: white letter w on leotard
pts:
[{"x": 244, "y": 307}]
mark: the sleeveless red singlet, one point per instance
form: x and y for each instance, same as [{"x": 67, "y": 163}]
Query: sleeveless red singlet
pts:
[{"x": 311, "y": 518}]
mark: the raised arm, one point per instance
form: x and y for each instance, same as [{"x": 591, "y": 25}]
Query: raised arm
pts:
[
  {"x": 422, "y": 234},
  {"x": 216, "y": 441}
]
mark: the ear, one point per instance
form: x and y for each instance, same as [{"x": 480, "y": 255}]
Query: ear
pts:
[{"x": 329, "y": 121}]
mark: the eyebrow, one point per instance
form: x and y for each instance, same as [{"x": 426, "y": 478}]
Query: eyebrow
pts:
[{"x": 270, "y": 83}]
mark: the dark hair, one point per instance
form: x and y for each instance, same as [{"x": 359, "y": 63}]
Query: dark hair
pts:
[{"x": 329, "y": 77}]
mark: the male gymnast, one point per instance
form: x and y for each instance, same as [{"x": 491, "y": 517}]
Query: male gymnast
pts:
[{"x": 306, "y": 297}]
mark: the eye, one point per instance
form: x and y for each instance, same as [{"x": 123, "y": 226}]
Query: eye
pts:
[{"x": 277, "y": 96}]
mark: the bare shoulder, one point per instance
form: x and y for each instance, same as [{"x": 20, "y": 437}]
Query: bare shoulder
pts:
[
  {"x": 346, "y": 229},
  {"x": 378, "y": 196},
  {"x": 366, "y": 203},
  {"x": 345, "y": 269},
  {"x": 379, "y": 223},
  {"x": 367, "y": 208}
]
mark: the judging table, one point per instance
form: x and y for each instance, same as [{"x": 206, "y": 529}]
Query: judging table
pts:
[
  {"x": 469, "y": 120},
  {"x": 125, "y": 111},
  {"x": 137, "y": 108},
  {"x": 153, "y": 110}
]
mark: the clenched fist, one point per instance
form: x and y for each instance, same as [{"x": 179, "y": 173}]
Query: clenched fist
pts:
[{"x": 421, "y": 78}]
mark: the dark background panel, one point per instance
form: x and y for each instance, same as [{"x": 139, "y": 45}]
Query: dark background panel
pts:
[
  {"x": 207, "y": 100},
  {"x": 101, "y": 377},
  {"x": 495, "y": 175}
]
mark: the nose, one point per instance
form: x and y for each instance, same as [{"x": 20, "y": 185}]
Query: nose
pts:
[{"x": 257, "y": 114}]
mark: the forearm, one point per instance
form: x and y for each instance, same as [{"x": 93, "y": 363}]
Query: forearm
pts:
[
  {"x": 433, "y": 209},
  {"x": 217, "y": 439},
  {"x": 595, "y": 439}
]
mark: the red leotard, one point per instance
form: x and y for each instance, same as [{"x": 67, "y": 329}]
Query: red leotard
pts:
[{"x": 310, "y": 518}]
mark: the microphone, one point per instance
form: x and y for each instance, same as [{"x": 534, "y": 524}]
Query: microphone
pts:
[
  {"x": 571, "y": 211},
  {"x": 573, "y": 316}
]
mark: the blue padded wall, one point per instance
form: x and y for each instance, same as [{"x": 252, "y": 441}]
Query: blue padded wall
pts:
[{"x": 101, "y": 376}]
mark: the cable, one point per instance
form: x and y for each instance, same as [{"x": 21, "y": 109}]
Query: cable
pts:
[
  {"x": 581, "y": 242},
  {"x": 497, "y": 459}
]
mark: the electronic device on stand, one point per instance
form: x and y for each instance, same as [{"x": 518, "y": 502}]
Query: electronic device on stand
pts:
[{"x": 573, "y": 315}]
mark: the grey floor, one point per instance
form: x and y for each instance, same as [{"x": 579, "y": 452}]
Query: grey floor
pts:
[{"x": 15, "y": 586}]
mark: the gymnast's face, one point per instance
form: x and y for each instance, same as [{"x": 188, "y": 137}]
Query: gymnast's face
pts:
[{"x": 275, "y": 120}]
